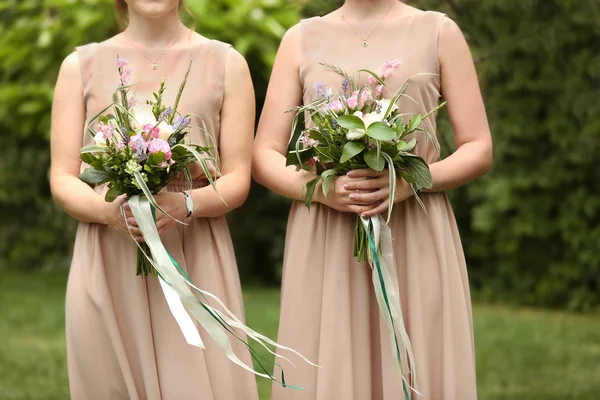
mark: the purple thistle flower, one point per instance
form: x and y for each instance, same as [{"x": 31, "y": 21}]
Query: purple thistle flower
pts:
[
  {"x": 345, "y": 85},
  {"x": 165, "y": 114}
]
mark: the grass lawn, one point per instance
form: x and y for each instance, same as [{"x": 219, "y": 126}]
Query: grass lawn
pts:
[{"x": 521, "y": 354}]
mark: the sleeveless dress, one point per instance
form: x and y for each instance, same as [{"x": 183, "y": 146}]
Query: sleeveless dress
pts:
[
  {"x": 329, "y": 311},
  {"x": 122, "y": 340}
]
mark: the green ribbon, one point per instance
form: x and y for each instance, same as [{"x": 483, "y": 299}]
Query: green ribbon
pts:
[{"x": 376, "y": 262}]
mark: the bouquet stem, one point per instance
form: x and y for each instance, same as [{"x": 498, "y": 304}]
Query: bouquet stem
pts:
[
  {"x": 361, "y": 241},
  {"x": 144, "y": 268}
]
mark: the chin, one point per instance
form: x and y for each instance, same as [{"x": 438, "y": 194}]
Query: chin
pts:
[{"x": 153, "y": 8}]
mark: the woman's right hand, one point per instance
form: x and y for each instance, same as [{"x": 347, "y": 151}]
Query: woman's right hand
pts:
[
  {"x": 114, "y": 218},
  {"x": 339, "y": 199}
]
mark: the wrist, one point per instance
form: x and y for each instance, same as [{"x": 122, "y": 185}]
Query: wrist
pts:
[{"x": 318, "y": 196}]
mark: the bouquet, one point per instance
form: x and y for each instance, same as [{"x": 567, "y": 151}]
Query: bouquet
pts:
[
  {"x": 139, "y": 148},
  {"x": 358, "y": 128}
]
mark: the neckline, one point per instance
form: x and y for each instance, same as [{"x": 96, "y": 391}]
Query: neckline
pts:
[
  {"x": 188, "y": 46},
  {"x": 359, "y": 23}
]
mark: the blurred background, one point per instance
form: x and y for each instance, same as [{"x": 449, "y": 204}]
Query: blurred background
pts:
[{"x": 530, "y": 229}]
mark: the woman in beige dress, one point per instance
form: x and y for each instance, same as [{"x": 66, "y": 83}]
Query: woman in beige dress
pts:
[
  {"x": 329, "y": 311},
  {"x": 122, "y": 341}
]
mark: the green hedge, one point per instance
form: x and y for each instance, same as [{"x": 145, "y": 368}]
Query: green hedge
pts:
[{"x": 531, "y": 228}]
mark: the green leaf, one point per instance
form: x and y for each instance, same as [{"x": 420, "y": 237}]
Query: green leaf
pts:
[
  {"x": 418, "y": 169},
  {"x": 350, "y": 150},
  {"x": 111, "y": 195},
  {"x": 94, "y": 177},
  {"x": 156, "y": 158},
  {"x": 328, "y": 177},
  {"x": 392, "y": 175},
  {"x": 375, "y": 160},
  {"x": 407, "y": 147},
  {"x": 350, "y": 122},
  {"x": 414, "y": 123},
  {"x": 380, "y": 131},
  {"x": 87, "y": 158},
  {"x": 299, "y": 158},
  {"x": 374, "y": 75},
  {"x": 310, "y": 190}
]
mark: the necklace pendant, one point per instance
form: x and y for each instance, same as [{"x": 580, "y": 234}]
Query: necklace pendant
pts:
[
  {"x": 154, "y": 66},
  {"x": 365, "y": 43}
]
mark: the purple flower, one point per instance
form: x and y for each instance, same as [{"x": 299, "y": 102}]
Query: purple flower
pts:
[
  {"x": 180, "y": 123},
  {"x": 165, "y": 114},
  {"x": 139, "y": 146},
  {"x": 319, "y": 88},
  {"x": 346, "y": 85}
]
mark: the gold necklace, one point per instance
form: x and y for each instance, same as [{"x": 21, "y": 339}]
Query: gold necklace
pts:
[
  {"x": 366, "y": 40},
  {"x": 153, "y": 63}
]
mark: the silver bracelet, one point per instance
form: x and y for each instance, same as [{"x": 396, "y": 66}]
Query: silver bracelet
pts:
[{"x": 189, "y": 203}]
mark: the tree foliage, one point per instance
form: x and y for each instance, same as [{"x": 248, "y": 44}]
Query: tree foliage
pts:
[{"x": 531, "y": 228}]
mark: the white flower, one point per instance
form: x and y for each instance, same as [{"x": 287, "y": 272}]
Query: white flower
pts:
[
  {"x": 355, "y": 134},
  {"x": 385, "y": 104},
  {"x": 165, "y": 130},
  {"x": 100, "y": 139},
  {"x": 369, "y": 118},
  {"x": 143, "y": 115}
]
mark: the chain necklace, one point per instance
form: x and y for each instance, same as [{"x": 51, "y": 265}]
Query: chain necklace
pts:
[
  {"x": 153, "y": 63},
  {"x": 366, "y": 40}
]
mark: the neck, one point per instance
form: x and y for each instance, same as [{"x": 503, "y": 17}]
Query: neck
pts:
[
  {"x": 365, "y": 9},
  {"x": 154, "y": 33}
]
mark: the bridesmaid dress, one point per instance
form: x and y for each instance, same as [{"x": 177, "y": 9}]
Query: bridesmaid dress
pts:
[
  {"x": 122, "y": 341},
  {"x": 328, "y": 308}
]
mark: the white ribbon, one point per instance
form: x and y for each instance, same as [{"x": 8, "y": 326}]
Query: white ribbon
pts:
[
  {"x": 382, "y": 237},
  {"x": 180, "y": 297}
]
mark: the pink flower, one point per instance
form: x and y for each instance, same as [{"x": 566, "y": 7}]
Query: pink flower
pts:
[
  {"x": 364, "y": 96},
  {"x": 132, "y": 102},
  {"x": 352, "y": 101},
  {"x": 108, "y": 130},
  {"x": 151, "y": 130},
  {"x": 377, "y": 91},
  {"x": 120, "y": 145},
  {"x": 126, "y": 74},
  {"x": 157, "y": 145},
  {"x": 372, "y": 81},
  {"x": 122, "y": 62},
  {"x": 336, "y": 106},
  {"x": 386, "y": 69}
]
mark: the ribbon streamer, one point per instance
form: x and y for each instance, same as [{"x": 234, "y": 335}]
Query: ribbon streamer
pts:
[
  {"x": 385, "y": 283},
  {"x": 177, "y": 288}
]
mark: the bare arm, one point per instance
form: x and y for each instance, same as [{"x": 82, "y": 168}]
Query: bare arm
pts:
[
  {"x": 274, "y": 128},
  {"x": 473, "y": 155},
  {"x": 235, "y": 143},
  {"x": 66, "y": 139}
]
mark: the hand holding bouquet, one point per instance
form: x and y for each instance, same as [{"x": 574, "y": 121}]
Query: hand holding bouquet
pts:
[
  {"x": 139, "y": 148},
  {"x": 357, "y": 128}
]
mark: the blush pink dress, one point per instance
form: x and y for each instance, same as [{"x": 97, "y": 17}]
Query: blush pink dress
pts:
[
  {"x": 328, "y": 308},
  {"x": 122, "y": 341}
]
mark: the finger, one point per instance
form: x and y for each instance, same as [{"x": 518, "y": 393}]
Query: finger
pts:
[
  {"x": 359, "y": 209},
  {"x": 132, "y": 222},
  {"x": 366, "y": 184},
  {"x": 363, "y": 173},
  {"x": 139, "y": 239},
  {"x": 376, "y": 211},
  {"x": 370, "y": 198}
]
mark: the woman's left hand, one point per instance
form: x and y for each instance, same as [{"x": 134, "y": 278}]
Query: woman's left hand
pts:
[
  {"x": 173, "y": 203},
  {"x": 372, "y": 187}
]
